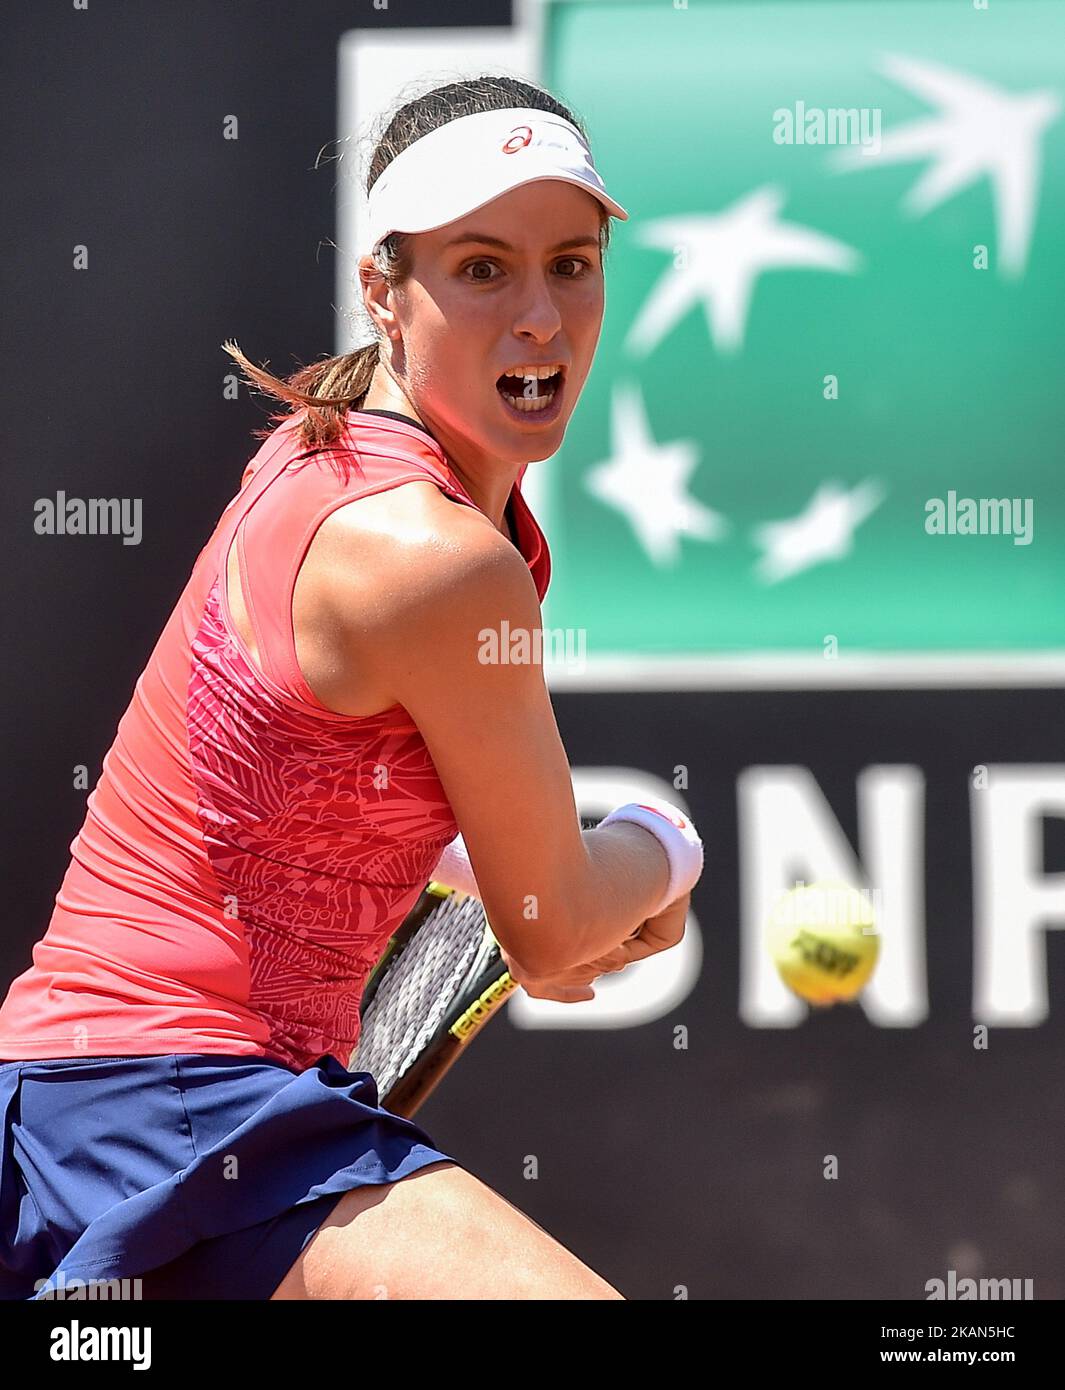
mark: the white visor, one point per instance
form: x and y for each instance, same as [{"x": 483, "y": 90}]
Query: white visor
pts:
[{"x": 466, "y": 163}]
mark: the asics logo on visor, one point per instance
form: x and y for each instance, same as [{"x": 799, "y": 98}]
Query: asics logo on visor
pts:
[{"x": 518, "y": 139}]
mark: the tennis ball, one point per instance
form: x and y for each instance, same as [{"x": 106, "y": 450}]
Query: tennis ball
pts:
[{"x": 823, "y": 940}]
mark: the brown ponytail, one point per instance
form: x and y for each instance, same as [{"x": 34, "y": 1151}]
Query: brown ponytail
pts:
[{"x": 327, "y": 388}]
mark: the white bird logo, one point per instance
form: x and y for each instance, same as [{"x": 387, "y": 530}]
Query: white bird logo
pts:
[
  {"x": 823, "y": 530},
  {"x": 647, "y": 483},
  {"x": 981, "y": 130},
  {"x": 723, "y": 254}
]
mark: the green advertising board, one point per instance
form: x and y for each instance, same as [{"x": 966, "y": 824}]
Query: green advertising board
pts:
[{"x": 828, "y": 408}]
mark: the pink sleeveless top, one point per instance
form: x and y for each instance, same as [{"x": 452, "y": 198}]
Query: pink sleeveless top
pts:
[{"x": 247, "y": 852}]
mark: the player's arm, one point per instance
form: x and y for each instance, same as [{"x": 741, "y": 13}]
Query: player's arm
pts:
[{"x": 435, "y": 638}]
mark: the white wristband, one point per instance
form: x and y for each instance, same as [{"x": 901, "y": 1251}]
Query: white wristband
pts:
[
  {"x": 677, "y": 836},
  {"x": 454, "y": 868}
]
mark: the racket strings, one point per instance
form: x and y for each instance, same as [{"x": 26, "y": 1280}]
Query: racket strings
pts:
[{"x": 417, "y": 989}]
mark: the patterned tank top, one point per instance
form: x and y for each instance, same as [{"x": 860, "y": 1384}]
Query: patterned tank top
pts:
[{"x": 247, "y": 852}]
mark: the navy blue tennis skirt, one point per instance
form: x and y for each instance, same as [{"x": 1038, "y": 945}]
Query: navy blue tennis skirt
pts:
[{"x": 202, "y": 1176}]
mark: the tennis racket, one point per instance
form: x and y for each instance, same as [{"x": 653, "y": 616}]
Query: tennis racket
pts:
[{"x": 439, "y": 981}]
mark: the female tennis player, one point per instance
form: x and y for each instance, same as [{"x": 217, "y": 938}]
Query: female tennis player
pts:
[{"x": 314, "y": 725}]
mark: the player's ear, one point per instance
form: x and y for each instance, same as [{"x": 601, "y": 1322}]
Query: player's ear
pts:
[{"x": 377, "y": 298}]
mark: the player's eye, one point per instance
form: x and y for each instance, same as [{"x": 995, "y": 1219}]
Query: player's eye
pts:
[
  {"x": 569, "y": 267},
  {"x": 480, "y": 279}
]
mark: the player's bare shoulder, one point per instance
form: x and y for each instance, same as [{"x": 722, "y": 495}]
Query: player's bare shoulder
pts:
[
  {"x": 391, "y": 571},
  {"x": 408, "y": 543}
]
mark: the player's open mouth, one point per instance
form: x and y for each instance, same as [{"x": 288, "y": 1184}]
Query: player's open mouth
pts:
[{"x": 533, "y": 392}]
